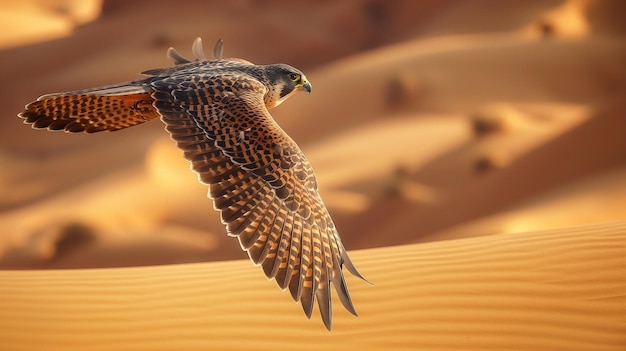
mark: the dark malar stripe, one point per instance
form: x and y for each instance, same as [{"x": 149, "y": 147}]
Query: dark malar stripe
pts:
[{"x": 284, "y": 91}]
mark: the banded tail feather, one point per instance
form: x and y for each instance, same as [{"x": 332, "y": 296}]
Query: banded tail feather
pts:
[{"x": 110, "y": 108}]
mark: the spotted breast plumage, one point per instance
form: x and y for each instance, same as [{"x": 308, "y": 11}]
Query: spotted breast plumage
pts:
[{"x": 216, "y": 110}]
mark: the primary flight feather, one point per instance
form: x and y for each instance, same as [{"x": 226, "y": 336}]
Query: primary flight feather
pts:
[{"x": 264, "y": 187}]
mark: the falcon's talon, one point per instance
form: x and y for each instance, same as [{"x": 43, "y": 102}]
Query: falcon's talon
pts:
[{"x": 259, "y": 179}]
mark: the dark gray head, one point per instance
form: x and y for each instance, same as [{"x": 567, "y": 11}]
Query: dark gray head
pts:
[{"x": 284, "y": 81}]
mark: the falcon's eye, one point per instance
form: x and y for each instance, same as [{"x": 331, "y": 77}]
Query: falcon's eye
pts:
[{"x": 294, "y": 76}]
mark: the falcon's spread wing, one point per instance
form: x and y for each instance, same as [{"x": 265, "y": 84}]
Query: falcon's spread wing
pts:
[{"x": 260, "y": 181}]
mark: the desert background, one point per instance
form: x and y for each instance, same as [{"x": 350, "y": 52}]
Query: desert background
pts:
[{"x": 472, "y": 154}]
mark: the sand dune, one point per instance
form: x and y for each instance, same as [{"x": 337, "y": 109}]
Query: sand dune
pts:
[
  {"x": 32, "y": 21},
  {"x": 595, "y": 199},
  {"x": 552, "y": 290}
]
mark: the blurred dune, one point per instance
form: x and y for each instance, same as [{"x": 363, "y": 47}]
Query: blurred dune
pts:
[
  {"x": 31, "y": 21},
  {"x": 552, "y": 290},
  {"x": 429, "y": 121}
]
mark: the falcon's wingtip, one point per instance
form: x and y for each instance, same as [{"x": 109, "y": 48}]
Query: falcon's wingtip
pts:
[
  {"x": 176, "y": 57},
  {"x": 197, "y": 49},
  {"x": 351, "y": 268},
  {"x": 324, "y": 302},
  {"x": 218, "y": 50}
]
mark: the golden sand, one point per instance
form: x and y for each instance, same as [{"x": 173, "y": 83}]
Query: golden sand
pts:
[{"x": 553, "y": 290}]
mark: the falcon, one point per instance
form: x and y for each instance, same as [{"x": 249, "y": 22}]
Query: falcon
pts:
[{"x": 217, "y": 112}]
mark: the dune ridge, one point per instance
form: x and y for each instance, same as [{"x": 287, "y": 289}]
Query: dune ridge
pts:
[{"x": 561, "y": 289}]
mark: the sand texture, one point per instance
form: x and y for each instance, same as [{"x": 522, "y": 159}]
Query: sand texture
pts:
[{"x": 552, "y": 290}]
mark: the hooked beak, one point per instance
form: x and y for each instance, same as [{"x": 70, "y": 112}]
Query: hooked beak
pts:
[{"x": 305, "y": 85}]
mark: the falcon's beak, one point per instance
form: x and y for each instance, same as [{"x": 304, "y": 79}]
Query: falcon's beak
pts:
[{"x": 305, "y": 85}]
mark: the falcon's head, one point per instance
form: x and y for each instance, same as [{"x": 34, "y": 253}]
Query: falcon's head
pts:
[{"x": 284, "y": 81}]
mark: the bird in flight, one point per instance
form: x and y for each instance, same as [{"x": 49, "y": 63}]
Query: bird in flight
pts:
[{"x": 217, "y": 112}]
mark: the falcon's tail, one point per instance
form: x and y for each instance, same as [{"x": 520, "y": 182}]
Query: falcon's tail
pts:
[{"x": 110, "y": 108}]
